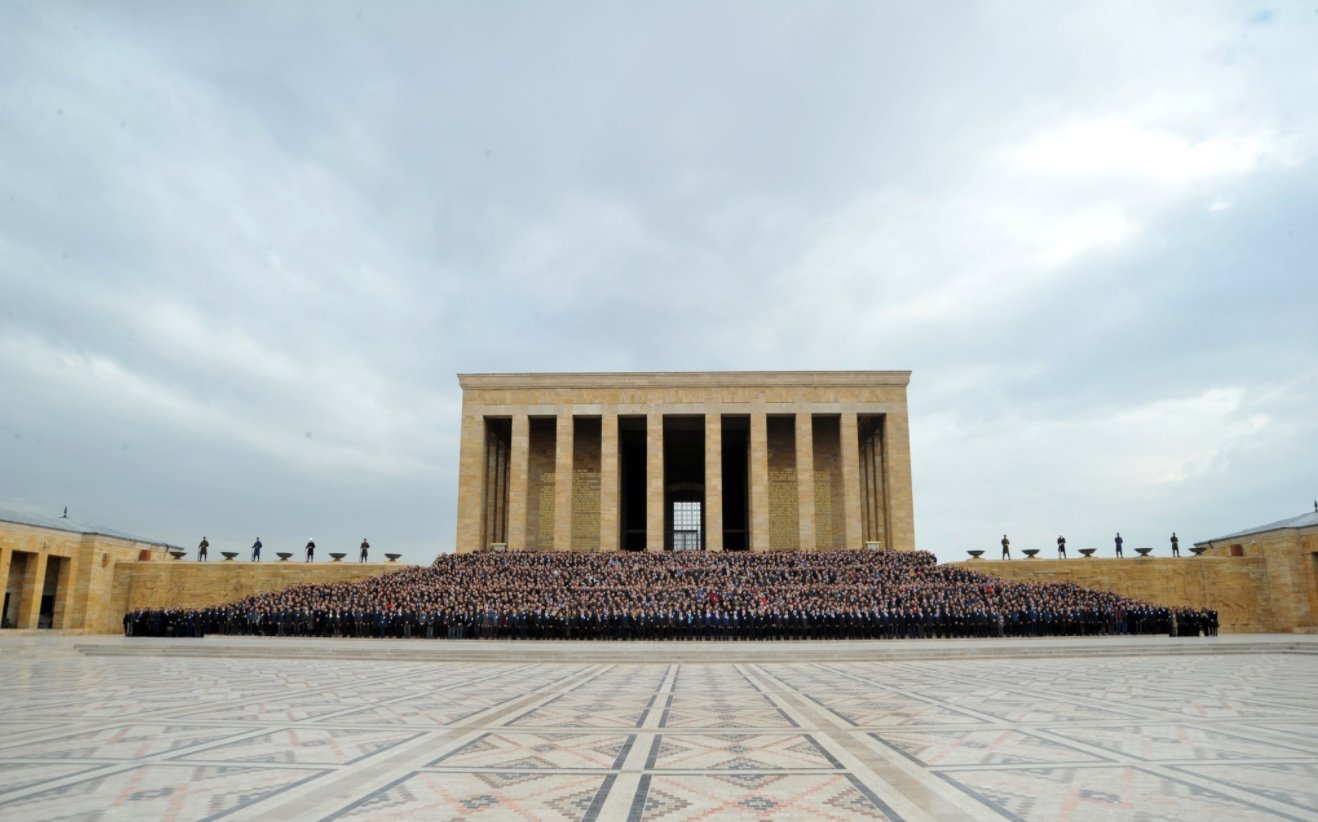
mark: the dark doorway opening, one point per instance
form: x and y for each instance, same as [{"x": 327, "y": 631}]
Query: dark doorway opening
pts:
[
  {"x": 49, "y": 593},
  {"x": 736, "y": 483},
  {"x": 631, "y": 482},
  {"x": 684, "y": 481}
]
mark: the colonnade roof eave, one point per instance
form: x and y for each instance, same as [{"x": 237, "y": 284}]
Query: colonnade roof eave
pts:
[{"x": 677, "y": 379}]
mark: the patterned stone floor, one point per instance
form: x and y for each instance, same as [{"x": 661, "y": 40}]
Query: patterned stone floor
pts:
[{"x": 1145, "y": 737}]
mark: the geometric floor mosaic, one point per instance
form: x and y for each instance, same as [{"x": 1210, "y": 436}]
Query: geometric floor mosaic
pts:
[{"x": 1145, "y": 737}]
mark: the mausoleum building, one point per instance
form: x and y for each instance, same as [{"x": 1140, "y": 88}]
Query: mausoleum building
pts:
[{"x": 717, "y": 461}]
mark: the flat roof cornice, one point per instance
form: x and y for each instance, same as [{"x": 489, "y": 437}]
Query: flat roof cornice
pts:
[{"x": 681, "y": 379}]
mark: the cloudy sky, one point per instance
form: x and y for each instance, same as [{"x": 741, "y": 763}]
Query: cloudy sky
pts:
[{"x": 245, "y": 248}]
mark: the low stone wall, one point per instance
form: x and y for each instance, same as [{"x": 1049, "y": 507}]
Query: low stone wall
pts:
[
  {"x": 182, "y": 584},
  {"x": 1235, "y": 587}
]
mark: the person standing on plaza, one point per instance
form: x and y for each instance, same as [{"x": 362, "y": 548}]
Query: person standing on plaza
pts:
[
  {"x": 311, "y": 550},
  {"x": 1176, "y": 545},
  {"x": 1118, "y": 543},
  {"x": 201, "y": 550},
  {"x": 1061, "y": 547},
  {"x": 256, "y": 550},
  {"x": 366, "y": 547},
  {"x": 1006, "y": 547}
]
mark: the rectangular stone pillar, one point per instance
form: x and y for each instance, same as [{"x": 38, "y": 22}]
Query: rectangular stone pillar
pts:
[
  {"x": 6, "y": 562},
  {"x": 62, "y": 614},
  {"x": 34, "y": 582},
  {"x": 852, "y": 515},
  {"x": 713, "y": 481},
  {"x": 897, "y": 479},
  {"x": 654, "y": 482},
  {"x": 609, "y": 482},
  {"x": 805, "y": 479},
  {"x": 518, "y": 473},
  {"x": 471, "y": 485},
  {"x": 563, "y": 450},
  {"x": 759, "y": 481},
  {"x": 6, "y": 558}
]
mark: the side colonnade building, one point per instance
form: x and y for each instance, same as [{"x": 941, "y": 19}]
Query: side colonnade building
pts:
[{"x": 717, "y": 461}]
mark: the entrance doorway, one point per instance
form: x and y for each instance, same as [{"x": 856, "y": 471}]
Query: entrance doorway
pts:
[{"x": 687, "y": 525}]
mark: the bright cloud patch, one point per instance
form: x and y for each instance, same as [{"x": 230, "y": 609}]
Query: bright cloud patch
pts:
[{"x": 1114, "y": 148}]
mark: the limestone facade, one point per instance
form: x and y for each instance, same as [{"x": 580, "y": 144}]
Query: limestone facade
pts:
[
  {"x": 59, "y": 576},
  {"x": 1235, "y": 588},
  {"x": 711, "y": 460},
  {"x": 180, "y": 584},
  {"x": 1263, "y": 579},
  {"x": 1288, "y": 553}
]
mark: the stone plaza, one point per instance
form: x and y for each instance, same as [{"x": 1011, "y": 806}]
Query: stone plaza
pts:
[{"x": 100, "y": 728}]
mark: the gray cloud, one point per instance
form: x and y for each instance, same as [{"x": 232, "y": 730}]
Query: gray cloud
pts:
[{"x": 245, "y": 247}]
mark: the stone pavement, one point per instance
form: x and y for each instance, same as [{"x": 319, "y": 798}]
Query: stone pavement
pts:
[{"x": 1141, "y": 728}]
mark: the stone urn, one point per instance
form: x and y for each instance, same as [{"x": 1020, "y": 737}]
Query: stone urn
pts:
[
  {"x": 1030, "y": 553},
  {"x": 1144, "y": 552},
  {"x": 338, "y": 557},
  {"x": 228, "y": 555},
  {"x": 177, "y": 553},
  {"x": 283, "y": 555},
  {"x": 1198, "y": 550},
  {"x": 392, "y": 557},
  {"x": 1087, "y": 552}
]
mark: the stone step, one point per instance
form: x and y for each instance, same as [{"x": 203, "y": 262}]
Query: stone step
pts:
[{"x": 570, "y": 651}]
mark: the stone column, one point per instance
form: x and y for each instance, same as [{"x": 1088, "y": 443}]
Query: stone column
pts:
[
  {"x": 63, "y": 595},
  {"x": 851, "y": 511},
  {"x": 654, "y": 482},
  {"x": 471, "y": 485},
  {"x": 805, "y": 479},
  {"x": 518, "y": 473},
  {"x": 609, "y": 487},
  {"x": 34, "y": 582},
  {"x": 713, "y": 481},
  {"x": 563, "y": 482},
  {"x": 897, "y": 479},
  {"x": 759, "y": 481},
  {"x": 6, "y": 558}
]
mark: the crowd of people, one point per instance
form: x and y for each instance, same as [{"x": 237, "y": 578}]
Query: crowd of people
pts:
[{"x": 690, "y": 595}]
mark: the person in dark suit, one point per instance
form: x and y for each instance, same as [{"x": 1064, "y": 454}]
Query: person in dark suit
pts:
[
  {"x": 1006, "y": 547},
  {"x": 311, "y": 550},
  {"x": 201, "y": 550},
  {"x": 366, "y": 547},
  {"x": 256, "y": 550},
  {"x": 1061, "y": 547},
  {"x": 1118, "y": 543},
  {"x": 1176, "y": 545}
]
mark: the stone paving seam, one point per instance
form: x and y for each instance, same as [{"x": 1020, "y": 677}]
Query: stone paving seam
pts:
[
  {"x": 370, "y": 781},
  {"x": 637, "y": 810},
  {"x": 110, "y": 767},
  {"x": 1250, "y": 798},
  {"x": 874, "y": 771}
]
